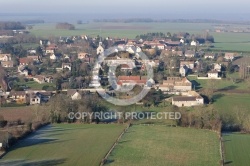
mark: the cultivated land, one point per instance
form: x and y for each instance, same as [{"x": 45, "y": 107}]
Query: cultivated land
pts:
[
  {"x": 237, "y": 149},
  {"x": 64, "y": 144},
  {"x": 161, "y": 145},
  {"x": 224, "y": 41},
  {"x": 24, "y": 113}
]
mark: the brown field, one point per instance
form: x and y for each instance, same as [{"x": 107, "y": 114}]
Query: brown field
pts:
[{"x": 15, "y": 113}]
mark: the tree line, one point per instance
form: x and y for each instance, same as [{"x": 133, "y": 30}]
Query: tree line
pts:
[
  {"x": 65, "y": 26},
  {"x": 11, "y": 26}
]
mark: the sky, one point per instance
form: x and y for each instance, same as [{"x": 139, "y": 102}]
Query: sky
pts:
[{"x": 228, "y": 9}]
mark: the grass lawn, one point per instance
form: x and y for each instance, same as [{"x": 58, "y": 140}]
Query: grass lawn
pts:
[
  {"x": 64, "y": 144},
  {"x": 160, "y": 145},
  {"x": 36, "y": 86},
  {"x": 237, "y": 149},
  {"x": 27, "y": 45}
]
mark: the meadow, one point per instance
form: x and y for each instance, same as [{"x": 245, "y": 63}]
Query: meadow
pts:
[
  {"x": 219, "y": 84},
  {"x": 229, "y": 103},
  {"x": 237, "y": 149},
  {"x": 223, "y": 41},
  {"x": 161, "y": 145},
  {"x": 229, "y": 96},
  {"x": 64, "y": 144}
]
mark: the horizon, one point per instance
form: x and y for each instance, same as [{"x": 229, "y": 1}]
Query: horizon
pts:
[{"x": 110, "y": 9}]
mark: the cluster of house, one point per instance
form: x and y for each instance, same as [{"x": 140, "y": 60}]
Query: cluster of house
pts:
[
  {"x": 37, "y": 97},
  {"x": 173, "y": 85},
  {"x": 187, "y": 66},
  {"x": 26, "y": 97},
  {"x": 163, "y": 44},
  {"x": 183, "y": 87},
  {"x": 5, "y": 60}
]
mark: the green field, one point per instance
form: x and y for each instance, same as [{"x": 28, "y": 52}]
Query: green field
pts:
[
  {"x": 220, "y": 84},
  {"x": 36, "y": 86},
  {"x": 237, "y": 149},
  {"x": 228, "y": 103},
  {"x": 64, "y": 144},
  {"x": 128, "y": 30},
  {"x": 224, "y": 41},
  {"x": 232, "y": 41},
  {"x": 161, "y": 145}
]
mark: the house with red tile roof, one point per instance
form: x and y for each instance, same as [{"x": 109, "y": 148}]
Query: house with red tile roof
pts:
[{"x": 25, "y": 61}]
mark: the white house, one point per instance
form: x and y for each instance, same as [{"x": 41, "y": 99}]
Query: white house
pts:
[
  {"x": 5, "y": 57},
  {"x": 74, "y": 94},
  {"x": 230, "y": 56},
  {"x": 213, "y": 74},
  {"x": 50, "y": 51},
  {"x": 66, "y": 56},
  {"x": 35, "y": 99},
  {"x": 161, "y": 46},
  {"x": 22, "y": 71},
  {"x": 182, "y": 41},
  {"x": 66, "y": 66},
  {"x": 210, "y": 56},
  {"x": 176, "y": 84},
  {"x": 82, "y": 55},
  {"x": 217, "y": 67},
  {"x": 44, "y": 42},
  {"x": 190, "y": 54},
  {"x": 31, "y": 51},
  {"x": 189, "y": 64},
  {"x": 7, "y": 64},
  {"x": 53, "y": 57},
  {"x": 193, "y": 43},
  {"x": 188, "y": 99}
]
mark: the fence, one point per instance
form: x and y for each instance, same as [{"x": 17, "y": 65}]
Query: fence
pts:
[
  {"x": 113, "y": 146},
  {"x": 221, "y": 150}
]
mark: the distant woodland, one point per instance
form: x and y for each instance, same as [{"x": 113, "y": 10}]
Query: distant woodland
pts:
[
  {"x": 65, "y": 26},
  {"x": 11, "y": 26}
]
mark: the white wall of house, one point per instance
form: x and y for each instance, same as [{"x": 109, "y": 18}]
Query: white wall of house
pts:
[
  {"x": 76, "y": 96},
  {"x": 185, "y": 103},
  {"x": 35, "y": 100},
  {"x": 5, "y": 57},
  {"x": 53, "y": 57},
  {"x": 183, "y": 71},
  {"x": 183, "y": 88},
  {"x": 49, "y": 51},
  {"x": 193, "y": 43},
  {"x": 213, "y": 75}
]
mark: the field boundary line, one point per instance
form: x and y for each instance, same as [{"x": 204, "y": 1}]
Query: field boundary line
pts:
[
  {"x": 221, "y": 150},
  {"x": 114, "y": 145}
]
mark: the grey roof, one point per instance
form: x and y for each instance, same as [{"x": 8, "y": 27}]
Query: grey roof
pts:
[{"x": 184, "y": 98}]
